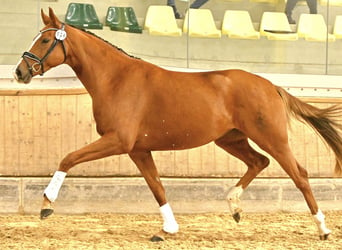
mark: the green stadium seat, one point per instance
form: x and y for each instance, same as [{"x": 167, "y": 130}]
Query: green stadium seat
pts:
[
  {"x": 82, "y": 16},
  {"x": 122, "y": 19}
]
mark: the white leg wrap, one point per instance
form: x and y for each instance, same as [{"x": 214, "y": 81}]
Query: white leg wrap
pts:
[
  {"x": 55, "y": 184},
  {"x": 233, "y": 198},
  {"x": 319, "y": 219},
  {"x": 170, "y": 223}
]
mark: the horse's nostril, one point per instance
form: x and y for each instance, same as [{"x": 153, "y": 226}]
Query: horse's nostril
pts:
[{"x": 18, "y": 73}]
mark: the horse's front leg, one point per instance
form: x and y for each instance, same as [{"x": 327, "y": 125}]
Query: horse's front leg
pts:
[
  {"x": 107, "y": 145},
  {"x": 145, "y": 163}
]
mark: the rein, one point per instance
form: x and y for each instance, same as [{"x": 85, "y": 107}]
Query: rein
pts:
[{"x": 60, "y": 35}]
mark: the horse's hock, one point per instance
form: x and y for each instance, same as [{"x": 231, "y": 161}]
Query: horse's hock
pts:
[{"x": 43, "y": 121}]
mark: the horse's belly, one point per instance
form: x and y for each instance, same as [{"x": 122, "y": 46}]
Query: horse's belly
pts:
[
  {"x": 168, "y": 144},
  {"x": 176, "y": 139}
]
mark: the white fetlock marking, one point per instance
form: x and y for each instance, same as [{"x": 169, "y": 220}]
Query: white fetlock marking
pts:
[
  {"x": 319, "y": 219},
  {"x": 233, "y": 198},
  {"x": 54, "y": 186},
  {"x": 170, "y": 224}
]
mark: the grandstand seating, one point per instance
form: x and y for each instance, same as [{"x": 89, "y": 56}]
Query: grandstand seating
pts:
[
  {"x": 160, "y": 20},
  {"x": 338, "y": 27},
  {"x": 256, "y": 55},
  {"x": 275, "y": 26},
  {"x": 312, "y": 27},
  {"x": 238, "y": 24},
  {"x": 122, "y": 19},
  {"x": 82, "y": 16},
  {"x": 200, "y": 24}
]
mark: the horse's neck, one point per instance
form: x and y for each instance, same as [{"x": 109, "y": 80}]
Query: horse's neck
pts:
[{"x": 91, "y": 62}]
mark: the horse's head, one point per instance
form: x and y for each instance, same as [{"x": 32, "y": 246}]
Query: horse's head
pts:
[{"x": 47, "y": 50}]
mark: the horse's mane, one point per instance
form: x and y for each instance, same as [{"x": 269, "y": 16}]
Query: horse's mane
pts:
[{"x": 116, "y": 47}]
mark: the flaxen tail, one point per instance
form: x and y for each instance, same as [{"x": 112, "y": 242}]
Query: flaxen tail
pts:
[{"x": 326, "y": 122}]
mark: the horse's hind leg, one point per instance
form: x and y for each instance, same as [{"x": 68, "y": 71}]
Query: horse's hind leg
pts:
[
  {"x": 299, "y": 176},
  {"x": 236, "y": 143},
  {"x": 145, "y": 164},
  {"x": 275, "y": 142}
]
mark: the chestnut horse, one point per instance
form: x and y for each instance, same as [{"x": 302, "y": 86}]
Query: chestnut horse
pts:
[{"x": 139, "y": 107}]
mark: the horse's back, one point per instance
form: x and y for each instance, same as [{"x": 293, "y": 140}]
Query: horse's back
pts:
[{"x": 228, "y": 93}]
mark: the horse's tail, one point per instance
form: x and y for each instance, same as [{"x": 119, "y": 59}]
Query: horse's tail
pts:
[{"x": 325, "y": 122}]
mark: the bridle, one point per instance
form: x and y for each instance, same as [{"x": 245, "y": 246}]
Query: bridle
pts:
[{"x": 60, "y": 35}]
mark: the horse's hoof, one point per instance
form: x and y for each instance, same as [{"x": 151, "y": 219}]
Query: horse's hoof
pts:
[
  {"x": 44, "y": 213},
  {"x": 324, "y": 236},
  {"x": 237, "y": 217},
  {"x": 161, "y": 236},
  {"x": 156, "y": 238}
]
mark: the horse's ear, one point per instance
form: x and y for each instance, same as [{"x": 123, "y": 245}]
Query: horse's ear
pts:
[
  {"x": 54, "y": 19},
  {"x": 45, "y": 18}
]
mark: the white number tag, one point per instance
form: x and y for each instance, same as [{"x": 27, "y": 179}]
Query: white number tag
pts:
[{"x": 60, "y": 35}]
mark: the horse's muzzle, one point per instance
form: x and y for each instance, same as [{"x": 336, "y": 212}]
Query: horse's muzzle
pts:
[{"x": 22, "y": 76}]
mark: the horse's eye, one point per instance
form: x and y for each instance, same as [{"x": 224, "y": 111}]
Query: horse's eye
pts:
[{"x": 46, "y": 40}]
